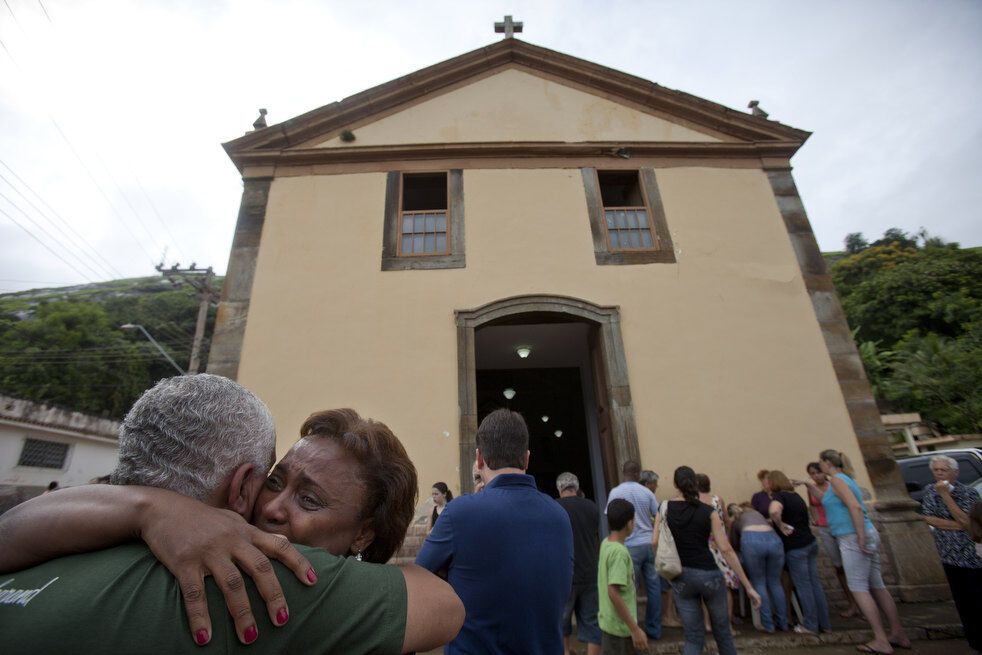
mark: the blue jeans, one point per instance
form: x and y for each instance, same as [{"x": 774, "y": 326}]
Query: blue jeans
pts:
[
  {"x": 692, "y": 588},
  {"x": 644, "y": 564},
  {"x": 585, "y": 602},
  {"x": 803, "y": 566},
  {"x": 762, "y": 554}
]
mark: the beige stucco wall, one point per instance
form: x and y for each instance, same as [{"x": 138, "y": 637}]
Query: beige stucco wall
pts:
[
  {"x": 728, "y": 369},
  {"x": 515, "y": 105}
]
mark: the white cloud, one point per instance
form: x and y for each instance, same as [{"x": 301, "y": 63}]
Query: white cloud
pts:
[{"x": 149, "y": 90}]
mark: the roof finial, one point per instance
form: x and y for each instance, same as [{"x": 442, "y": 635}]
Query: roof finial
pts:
[
  {"x": 756, "y": 110},
  {"x": 261, "y": 121},
  {"x": 508, "y": 27}
]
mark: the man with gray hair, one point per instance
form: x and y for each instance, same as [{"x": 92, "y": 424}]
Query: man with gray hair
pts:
[
  {"x": 162, "y": 444},
  {"x": 650, "y": 480},
  {"x": 584, "y": 517},
  {"x": 209, "y": 438}
]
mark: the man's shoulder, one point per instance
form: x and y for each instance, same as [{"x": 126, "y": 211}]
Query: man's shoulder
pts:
[
  {"x": 577, "y": 503},
  {"x": 630, "y": 489},
  {"x": 92, "y": 564}
]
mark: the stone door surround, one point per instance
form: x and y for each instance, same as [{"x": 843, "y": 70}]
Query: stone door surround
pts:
[{"x": 537, "y": 309}]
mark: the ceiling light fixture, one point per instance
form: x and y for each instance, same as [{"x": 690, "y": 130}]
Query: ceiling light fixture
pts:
[
  {"x": 523, "y": 351},
  {"x": 558, "y": 433},
  {"x": 545, "y": 419},
  {"x": 509, "y": 393}
]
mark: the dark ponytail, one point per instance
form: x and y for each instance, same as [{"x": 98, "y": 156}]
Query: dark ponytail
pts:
[
  {"x": 444, "y": 489},
  {"x": 685, "y": 481}
]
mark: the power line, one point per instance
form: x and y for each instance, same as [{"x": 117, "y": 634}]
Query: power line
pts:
[
  {"x": 12, "y": 14},
  {"x": 45, "y": 11},
  {"x": 166, "y": 227},
  {"x": 107, "y": 264},
  {"x": 99, "y": 187},
  {"x": 136, "y": 215},
  {"x": 46, "y": 247},
  {"x": 52, "y": 237},
  {"x": 71, "y": 146}
]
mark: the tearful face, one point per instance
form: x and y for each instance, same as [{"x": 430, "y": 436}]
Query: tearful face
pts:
[{"x": 314, "y": 496}]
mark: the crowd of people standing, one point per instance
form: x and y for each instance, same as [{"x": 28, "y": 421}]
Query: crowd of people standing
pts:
[
  {"x": 768, "y": 546},
  {"x": 195, "y": 457}
]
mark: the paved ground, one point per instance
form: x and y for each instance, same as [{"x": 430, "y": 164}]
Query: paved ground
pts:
[{"x": 934, "y": 627}]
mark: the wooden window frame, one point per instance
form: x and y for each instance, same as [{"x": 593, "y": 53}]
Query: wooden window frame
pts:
[
  {"x": 662, "y": 250},
  {"x": 392, "y": 257}
]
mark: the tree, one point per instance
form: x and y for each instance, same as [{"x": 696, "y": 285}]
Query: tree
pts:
[
  {"x": 941, "y": 378},
  {"x": 69, "y": 354},
  {"x": 888, "y": 292},
  {"x": 917, "y": 312},
  {"x": 897, "y": 236},
  {"x": 856, "y": 242}
]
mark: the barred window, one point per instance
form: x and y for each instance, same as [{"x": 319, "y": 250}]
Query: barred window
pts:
[
  {"x": 424, "y": 214},
  {"x": 625, "y": 214},
  {"x": 627, "y": 218},
  {"x": 424, "y": 221},
  {"x": 43, "y": 454}
]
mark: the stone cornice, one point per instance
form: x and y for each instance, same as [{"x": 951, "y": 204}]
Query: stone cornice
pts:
[{"x": 616, "y": 150}]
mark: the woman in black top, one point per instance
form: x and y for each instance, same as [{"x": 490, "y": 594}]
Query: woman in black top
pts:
[
  {"x": 790, "y": 516},
  {"x": 691, "y": 523},
  {"x": 441, "y": 495}
]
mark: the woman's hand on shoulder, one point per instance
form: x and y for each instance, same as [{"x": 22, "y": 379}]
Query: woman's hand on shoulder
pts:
[{"x": 194, "y": 540}]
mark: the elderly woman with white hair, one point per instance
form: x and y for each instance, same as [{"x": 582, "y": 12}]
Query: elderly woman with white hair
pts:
[{"x": 946, "y": 506}]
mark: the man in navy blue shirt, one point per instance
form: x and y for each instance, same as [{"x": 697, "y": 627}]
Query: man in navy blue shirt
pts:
[{"x": 507, "y": 551}]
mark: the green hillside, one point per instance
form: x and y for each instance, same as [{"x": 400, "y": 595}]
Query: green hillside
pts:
[{"x": 64, "y": 346}]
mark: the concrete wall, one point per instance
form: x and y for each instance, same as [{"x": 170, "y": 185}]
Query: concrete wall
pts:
[
  {"x": 93, "y": 447},
  {"x": 87, "y": 458},
  {"x": 728, "y": 369}
]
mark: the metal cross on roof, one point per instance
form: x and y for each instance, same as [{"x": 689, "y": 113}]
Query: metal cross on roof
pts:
[{"x": 509, "y": 27}]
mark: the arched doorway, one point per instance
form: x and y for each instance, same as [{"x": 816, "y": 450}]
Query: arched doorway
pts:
[{"x": 608, "y": 412}]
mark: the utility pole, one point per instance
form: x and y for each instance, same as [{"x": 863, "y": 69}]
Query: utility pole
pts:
[{"x": 200, "y": 279}]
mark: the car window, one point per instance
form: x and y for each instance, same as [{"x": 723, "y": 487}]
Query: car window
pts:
[
  {"x": 917, "y": 475},
  {"x": 968, "y": 468}
]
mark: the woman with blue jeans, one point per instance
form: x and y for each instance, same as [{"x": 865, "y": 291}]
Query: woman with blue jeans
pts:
[
  {"x": 691, "y": 522},
  {"x": 763, "y": 556},
  {"x": 789, "y": 514},
  {"x": 859, "y": 544}
]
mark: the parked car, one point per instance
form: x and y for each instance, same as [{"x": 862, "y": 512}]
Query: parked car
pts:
[{"x": 916, "y": 470}]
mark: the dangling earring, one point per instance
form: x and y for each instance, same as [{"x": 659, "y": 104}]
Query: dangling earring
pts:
[{"x": 358, "y": 556}]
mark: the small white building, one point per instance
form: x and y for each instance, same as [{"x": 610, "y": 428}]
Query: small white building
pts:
[{"x": 41, "y": 444}]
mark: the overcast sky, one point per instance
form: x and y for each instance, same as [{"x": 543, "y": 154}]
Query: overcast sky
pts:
[{"x": 113, "y": 112}]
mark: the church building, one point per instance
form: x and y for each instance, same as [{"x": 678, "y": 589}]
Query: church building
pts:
[{"x": 627, "y": 265}]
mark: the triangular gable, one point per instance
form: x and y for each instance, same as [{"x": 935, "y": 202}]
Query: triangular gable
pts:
[
  {"x": 315, "y": 131},
  {"x": 511, "y": 105}
]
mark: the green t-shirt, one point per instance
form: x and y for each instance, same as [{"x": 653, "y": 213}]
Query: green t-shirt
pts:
[
  {"x": 122, "y": 600},
  {"x": 615, "y": 567}
]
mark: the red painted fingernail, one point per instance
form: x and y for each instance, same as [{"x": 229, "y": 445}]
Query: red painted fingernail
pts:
[
  {"x": 201, "y": 637},
  {"x": 251, "y": 634},
  {"x": 311, "y": 576},
  {"x": 282, "y": 616}
]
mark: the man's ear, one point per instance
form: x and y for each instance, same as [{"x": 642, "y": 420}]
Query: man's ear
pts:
[
  {"x": 365, "y": 537},
  {"x": 528, "y": 454},
  {"x": 479, "y": 459},
  {"x": 243, "y": 489}
]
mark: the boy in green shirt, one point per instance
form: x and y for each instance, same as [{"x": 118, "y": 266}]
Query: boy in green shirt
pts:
[{"x": 615, "y": 586}]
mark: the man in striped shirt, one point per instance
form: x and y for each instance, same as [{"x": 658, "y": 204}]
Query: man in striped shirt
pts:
[{"x": 639, "y": 542}]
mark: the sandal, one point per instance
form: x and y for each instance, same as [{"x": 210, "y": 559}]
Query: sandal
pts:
[
  {"x": 866, "y": 648},
  {"x": 897, "y": 644}
]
